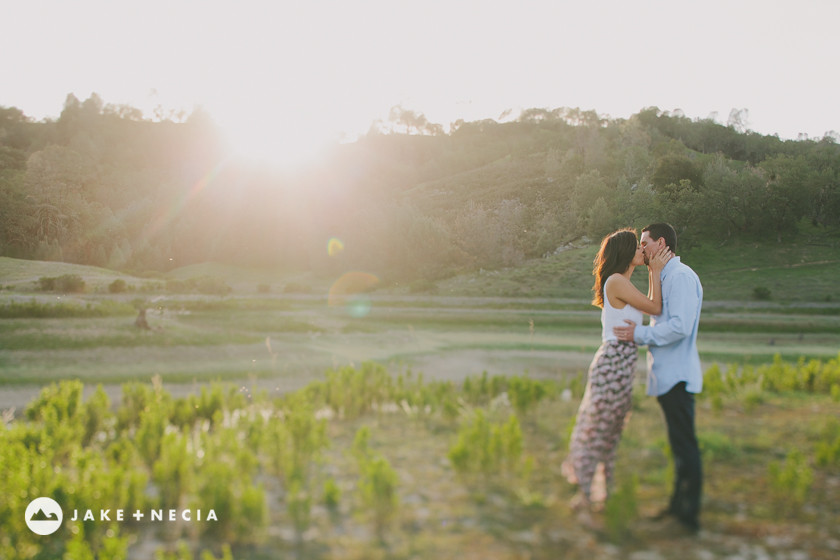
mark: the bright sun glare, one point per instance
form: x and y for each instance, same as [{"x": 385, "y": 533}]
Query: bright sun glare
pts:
[{"x": 279, "y": 146}]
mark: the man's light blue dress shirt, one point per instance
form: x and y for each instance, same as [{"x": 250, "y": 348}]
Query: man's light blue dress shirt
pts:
[{"x": 671, "y": 336}]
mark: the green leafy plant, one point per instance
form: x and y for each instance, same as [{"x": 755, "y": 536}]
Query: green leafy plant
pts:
[
  {"x": 827, "y": 450},
  {"x": 526, "y": 393},
  {"x": 378, "y": 489},
  {"x": 118, "y": 286},
  {"x": 761, "y": 293},
  {"x": 790, "y": 481},
  {"x": 621, "y": 509},
  {"x": 66, "y": 284},
  {"x": 332, "y": 494},
  {"x": 487, "y": 448},
  {"x": 173, "y": 472},
  {"x": 299, "y": 508},
  {"x": 716, "y": 446}
]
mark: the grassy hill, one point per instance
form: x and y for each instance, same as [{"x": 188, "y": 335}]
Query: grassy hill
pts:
[
  {"x": 747, "y": 273},
  {"x": 790, "y": 273},
  {"x": 506, "y": 178},
  {"x": 17, "y": 274}
]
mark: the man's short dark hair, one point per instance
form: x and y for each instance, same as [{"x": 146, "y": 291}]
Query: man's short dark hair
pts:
[{"x": 660, "y": 230}]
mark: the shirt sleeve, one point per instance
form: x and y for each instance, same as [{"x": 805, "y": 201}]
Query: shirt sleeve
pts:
[{"x": 683, "y": 303}]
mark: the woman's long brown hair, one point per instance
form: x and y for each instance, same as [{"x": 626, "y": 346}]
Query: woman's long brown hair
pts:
[{"x": 616, "y": 254}]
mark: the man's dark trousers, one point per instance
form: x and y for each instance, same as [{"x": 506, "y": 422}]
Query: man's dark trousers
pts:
[{"x": 678, "y": 407}]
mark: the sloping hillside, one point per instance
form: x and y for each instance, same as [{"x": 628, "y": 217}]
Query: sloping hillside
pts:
[{"x": 24, "y": 274}]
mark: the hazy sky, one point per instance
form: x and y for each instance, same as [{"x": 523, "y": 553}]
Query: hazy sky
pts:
[{"x": 285, "y": 74}]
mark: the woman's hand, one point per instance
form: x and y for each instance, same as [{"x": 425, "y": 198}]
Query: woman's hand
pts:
[{"x": 658, "y": 262}]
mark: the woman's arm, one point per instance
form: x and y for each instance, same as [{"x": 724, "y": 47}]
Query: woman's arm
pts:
[{"x": 625, "y": 291}]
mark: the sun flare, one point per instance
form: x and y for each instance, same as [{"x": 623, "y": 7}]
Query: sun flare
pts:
[{"x": 279, "y": 144}]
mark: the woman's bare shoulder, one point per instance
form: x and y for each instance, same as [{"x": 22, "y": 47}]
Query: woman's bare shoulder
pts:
[
  {"x": 616, "y": 287},
  {"x": 617, "y": 278}
]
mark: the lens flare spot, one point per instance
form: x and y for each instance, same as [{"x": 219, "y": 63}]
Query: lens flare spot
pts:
[
  {"x": 359, "y": 306},
  {"x": 349, "y": 291},
  {"x": 334, "y": 246}
]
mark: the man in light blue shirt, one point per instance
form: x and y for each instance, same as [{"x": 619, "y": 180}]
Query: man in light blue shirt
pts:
[{"x": 674, "y": 371}]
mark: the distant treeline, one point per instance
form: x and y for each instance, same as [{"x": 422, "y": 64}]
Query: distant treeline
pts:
[{"x": 103, "y": 186}]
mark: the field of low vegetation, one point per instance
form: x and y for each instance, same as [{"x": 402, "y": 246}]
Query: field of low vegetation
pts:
[
  {"x": 365, "y": 464},
  {"x": 394, "y": 422}
]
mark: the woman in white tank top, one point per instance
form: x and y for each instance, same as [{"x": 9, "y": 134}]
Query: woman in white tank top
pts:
[{"x": 609, "y": 388}]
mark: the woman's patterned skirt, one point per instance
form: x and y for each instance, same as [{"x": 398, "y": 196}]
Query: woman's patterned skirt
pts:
[{"x": 601, "y": 416}]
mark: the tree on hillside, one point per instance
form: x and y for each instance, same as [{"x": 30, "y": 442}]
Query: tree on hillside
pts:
[
  {"x": 786, "y": 193},
  {"x": 413, "y": 121},
  {"x": 732, "y": 197},
  {"x": 671, "y": 169},
  {"x": 589, "y": 199},
  {"x": 739, "y": 120}
]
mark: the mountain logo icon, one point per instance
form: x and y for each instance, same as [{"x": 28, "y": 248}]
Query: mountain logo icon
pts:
[{"x": 43, "y": 516}]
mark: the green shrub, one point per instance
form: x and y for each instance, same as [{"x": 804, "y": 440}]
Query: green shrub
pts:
[
  {"x": 77, "y": 547},
  {"x": 62, "y": 399},
  {"x": 66, "y": 284},
  {"x": 487, "y": 448},
  {"x": 96, "y": 412},
  {"x": 174, "y": 470},
  {"x": 484, "y": 389},
  {"x": 216, "y": 491},
  {"x": 361, "y": 444},
  {"x": 790, "y": 482},
  {"x": 351, "y": 392},
  {"x": 714, "y": 387},
  {"x": 332, "y": 494},
  {"x": 182, "y": 552},
  {"x": 294, "y": 440},
  {"x": 827, "y": 451},
  {"x": 378, "y": 488},
  {"x": 621, "y": 509},
  {"x": 299, "y": 507},
  {"x": 118, "y": 286},
  {"x": 153, "y": 421},
  {"x": 577, "y": 384},
  {"x": 525, "y": 393},
  {"x": 252, "y": 514},
  {"x": 46, "y": 284},
  {"x": 761, "y": 293},
  {"x": 716, "y": 446},
  {"x": 212, "y": 286},
  {"x": 752, "y": 397},
  {"x": 34, "y": 309},
  {"x": 813, "y": 376}
]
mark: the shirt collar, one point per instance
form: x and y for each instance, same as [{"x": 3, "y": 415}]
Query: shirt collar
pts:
[{"x": 669, "y": 265}]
